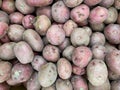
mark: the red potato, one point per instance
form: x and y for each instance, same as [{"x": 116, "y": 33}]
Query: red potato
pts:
[
  {"x": 117, "y": 4},
  {"x": 51, "y": 53},
  {"x": 27, "y": 21},
  {"x": 53, "y": 36},
  {"x": 92, "y": 2},
  {"x": 37, "y": 62},
  {"x": 79, "y": 83},
  {"x": 88, "y": 30},
  {"x": 8, "y": 6},
  {"x": 107, "y": 3},
  {"x": 12, "y": 82},
  {"x": 5, "y": 70},
  {"x": 21, "y": 72},
  {"x": 98, "y": 15},
  {"x": 112, "y": 75},
  {"x": 49, "y": 88},
  {"x": 80, "y": 13},
  {"x": 81, "y": 56},
  {"x": 23, "y": 7},
  {"x": 5, "y": 39},
  {"x": 4, "y": 17},
  {"x": 77, "y": 70},
  {"x": 4, "y": 86},
  {"x": 15, "y": 32},
  {"x": 115, "y": 85},
  {"x": 83, "y": 23},
  {"x": 60, "y": 12}
]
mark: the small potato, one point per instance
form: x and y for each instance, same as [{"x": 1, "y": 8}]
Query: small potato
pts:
[
  {"x": 60, "y": 12},
  {"x": 69, "y": 26},
  {"x": 112, "y": 60},
  {"x": 47, "y": 74},
  {"x": 115, "y": 85},
  {"x": 79, "y": 83},
  {"x": 77, "y": 70},
  {"x": 15, "y": 32},
  {"x": 23, "y": 52},
  {"x": 6, "y": 51},
  {"x": 88, "y": 30},
  {"x": 67, "y": 52},
  {"x": 55, "y": 34},
  {"x": 112, "y": 75},
  {"x": 107, "y": 3},
  {"x": 21, "y": 72},
  {"x": 80, "y": 13},
  {"x": 112, "y": 15},
  {"x": 117, "y": 4},
  {"x": 41, "y": 24},
  {"x": 33, "y": 83},
  {"x": 23, "y": 7},
  {"x": 97, "y": 38},
  {"x": 49, "y": 88},
  {"x": 5, "y": 70},
  {"x": 63, "y": 85},
  {"x": 37, "y": 62},
  {"x": 97, "y": 72},
  {"x": 4, "y": 86},
  {"x": 4, "y": 17},
  {"x": 72, "y": 3},
  {"x": 79, "y": 36},
  {"x": 64, "y": 68},
  {"x": 92, "y": 2},
  {"x": 51, "y": 53},
  {"x": 33, "y": 39},
  {"x": 81, "y": 56},
  {"x": 98, "y": 15}
]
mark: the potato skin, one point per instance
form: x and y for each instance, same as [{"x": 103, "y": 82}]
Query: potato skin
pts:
[
  {"x": 92, "y": 2},
  {"x": 64, "y": 68},
  {"x": 33, "y": 39},
  {"x": 107, "y": 3},
  {"x": 47, "y": 74},
  {"x": 112, "y": 75},
  {"x": 96, "y": 78},
  {"x": 117, "y": 4},
  {"x": 4, "y": 17},
  {"x": 49, "y": 88},
  {"x": 23, "y": 52},
  {"x": 4, "y": 86},
  {"x": 115, "y": 85},
  {"x": 77, "y": 70}
]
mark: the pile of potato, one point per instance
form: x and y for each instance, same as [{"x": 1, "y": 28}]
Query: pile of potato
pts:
[{"x": 60, "y": 44}]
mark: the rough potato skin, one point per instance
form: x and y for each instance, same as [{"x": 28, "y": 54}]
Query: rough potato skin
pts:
[
  {"x": 88, "y": 30},
  {"x": 80, "y": 13},
  {"x": 47, "y": 74},
  {"x": 64, "y": 68},
  {"x": 23, "y": 52},
  {"x": 33, "y": 39},
  {"x": 49, "y": 88},
  {"x": 5, "y": 70},
  {"x": 112, "y": 33},
  {"x": 97, "y": 78},
  {"x": 71, "y": 3},
  {"x": 109, "y": 47},
  {"x": 79, "y": 37},
  {"x": 60, "y": 12},
  {"x": 92, "y": 2},
  {"x": 77, "y": 70},
  {"x": 6, "y": 51},
  {"x": 112, "y": 60},
  {"x": 81, "y": 56},
  {"x": 4, "y": 86},
  {"x": 112, "y": 75},
  {"x": 51, "y": 53},
  {"x": 115, "y": 85},
  {"x": 79, "y": 83},
  {"x": 107, "y": 3},
  {"x": 4, "y": 17},
  {"x": 53, "y": 36},
  {"x": 63, "y": 85}
]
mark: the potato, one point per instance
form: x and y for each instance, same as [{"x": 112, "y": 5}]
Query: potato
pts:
[
  {"x": 60, "y": 12},
  {"x": 79, "y": 83},
  {"x": 98, "y": 15},
  {"x": 6, "y": 51},
  {"x": 33, "y": 39},
  {"x": 83, "y": 23},
  {"x": 97, "y": 38},
  {"x": 55, "y": 34},
  {"x": 78, "y": 70},
  {"x": 112, "y": 15},
  {"x": 4, "y": 86},
  {"x": 112, "y": 33},
  {"x": 51, "y": 53},
  {"x": 41, "y": 24},
  {"x": 117, "y": 4},
  {"x": 39, "y": 3},
  {"x": 63, "y": 85},
  {"x": 71, "y": 3},
  {"x": 105, "y": 86},
  {"x": 64, "y": 68},
  {"x": 80, "y": 13},
  {"x": 23, "y": 52},
  {"x": 8, "y": 6},
  {"x": 5, "y": 70},
  {"x": 12, "y": 82},
  {"x": 47, "y": 74},
  {"x": 33, "y": 83},
  {"x": 115, "y": 85},
  {"x": 67, "y": 52},
  {"x": 112, "y": 60},
  {"x": 88, "y": 30},
  {"x": 92, "y": 2},
  {"x": 79, "y": 37},
  {"x": 69, "y": 26},
  {"x": 97, "y": 72},
  {"x": 4, "y": 17},
  {"x": 5, "y": 39},
  {"x": 112, "y": 75},
  {"x": 23, "y": 7},
  {"x": 15, "y": 32},
  {"x": 107, "y": 3},
  {"x": 37, "y": 62},
  {"x": 49, "y": 88},
  {"x": 81, "y": 56},
  {"x": 21, "y": 72}
]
